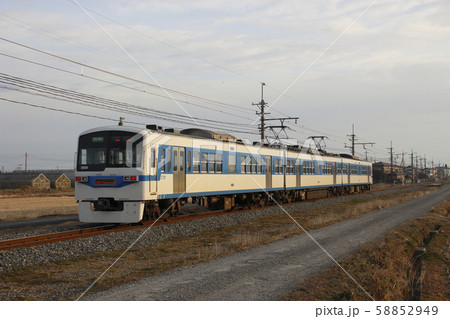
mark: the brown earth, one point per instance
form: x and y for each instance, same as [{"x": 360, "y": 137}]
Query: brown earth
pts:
[{"x": 16, "y": 208}]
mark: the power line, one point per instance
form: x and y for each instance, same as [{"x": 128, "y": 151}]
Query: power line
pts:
[
  {"x": 108, "y": 104},
  {"x": 83, "y": 66},
  {"x": 123, "y": 86},
  {"x": 62, "y": 111},
  {"x": 59, "y": 92}
]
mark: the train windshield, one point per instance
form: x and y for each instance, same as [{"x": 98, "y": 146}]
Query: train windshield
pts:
[{"x": 99, "y": 150}]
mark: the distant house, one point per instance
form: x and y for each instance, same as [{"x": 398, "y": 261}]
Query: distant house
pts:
[
  {"x": 35, "y": 180},
  {"x": 382, "y": 173},
  {"x": 60, "y": 179}
]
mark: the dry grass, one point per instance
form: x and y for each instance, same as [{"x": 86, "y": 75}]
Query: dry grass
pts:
[
  {"x": 30, "y": 192},
  {"x": 67, "y": 279},
  {"x": 385, "y": 268},
  {"x": 16, "y": 208}
]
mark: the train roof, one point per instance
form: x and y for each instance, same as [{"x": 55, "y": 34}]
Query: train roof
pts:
[{"x": 201, "y": 133}]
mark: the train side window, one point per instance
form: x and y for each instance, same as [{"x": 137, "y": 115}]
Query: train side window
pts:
[
  {"x": 163, "y": 160},
  {"x": 189, "y": 161},
  {"x": 231, "y": 163},
  {"x": 242, "y": 164},
  {"x": 248, "y": 164},
  {"x": 204, "y": 162},
  {"x": 258, "y": 163},
  {"x": 196, "y": 162},
  {"x": 181, "y": 161},
  {"x": 219, "y": 163},
  {"x": 168, "y": 161},
  {"x": 211, "y": 162},
  {"x": 152, "y": 157},
  {"x": 254, "y": 165},
  {"x": 175, "y": 164}
]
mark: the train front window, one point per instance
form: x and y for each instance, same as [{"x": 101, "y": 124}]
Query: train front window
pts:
[{"x": 96, "y": 151}]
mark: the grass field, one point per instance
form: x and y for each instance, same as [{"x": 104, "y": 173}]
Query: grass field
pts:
[
  {"x": 27, "y": 204},
  {"x": 390, "y": 269}
]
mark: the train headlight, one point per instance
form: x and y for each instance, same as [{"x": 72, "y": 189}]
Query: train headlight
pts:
[
  {"x": 82, "y": 179},
  {"x": 130, "y": 179}
]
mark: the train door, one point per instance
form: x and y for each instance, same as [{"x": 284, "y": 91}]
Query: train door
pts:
[
  {"x": 334, "y": 173},
  {"x": 348, "y": 172},
  {"x": 268, "y": 171},
  {"x": 153, "y": 173},
  {"x": 179, "y": 170},
  {"x": 298, "y": 173}
]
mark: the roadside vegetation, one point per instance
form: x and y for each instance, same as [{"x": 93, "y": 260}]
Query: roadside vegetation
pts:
[
  {"x": 30, "y": 192},
  {"x": 392, "y": 268},
  {"x": 65, "y": 280}
]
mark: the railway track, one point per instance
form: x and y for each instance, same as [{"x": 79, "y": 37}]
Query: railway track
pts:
[{"x": 100, "y": 230}]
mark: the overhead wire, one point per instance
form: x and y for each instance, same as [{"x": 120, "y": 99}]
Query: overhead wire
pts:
[
  {"x": 83, "y": 65},
  {"x": 8, "y": 79},
  {"x": 124, "y": 86},
  {"x": 110, "y": 105}
]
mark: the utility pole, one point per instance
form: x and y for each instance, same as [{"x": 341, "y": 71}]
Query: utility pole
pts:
[
  {"x": 412, "y": 167},
  {"x": 352, "y": 139},
  {"x": 403, "y": 166},
  {"x": 26, "y": 161},
  {"x": 432, "y": 166},
  {"x": 417, "y": 166},
  {"x": 261, "y": 106},
  {"x": 425, "y": 161},
  {"x": 392, "y": 164}
]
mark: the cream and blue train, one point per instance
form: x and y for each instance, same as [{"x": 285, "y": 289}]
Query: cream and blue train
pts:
[{"x": 126, "y": 174}]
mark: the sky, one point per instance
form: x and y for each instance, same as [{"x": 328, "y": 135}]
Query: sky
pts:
[{"x": 380, "y": 65}]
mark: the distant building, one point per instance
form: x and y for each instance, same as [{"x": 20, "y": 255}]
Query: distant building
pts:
[
  {"x": 33, "y": 179},
  {"x": 443, "y": 172},
  {"x": 382, "y": 173},
  {"x": 60, "y": 179}
]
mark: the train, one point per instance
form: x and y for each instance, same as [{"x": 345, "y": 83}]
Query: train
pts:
[{"x": 127, "y": 174}]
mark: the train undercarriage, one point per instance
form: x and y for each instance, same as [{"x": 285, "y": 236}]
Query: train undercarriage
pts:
[{"x": 166, "y": 208}]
